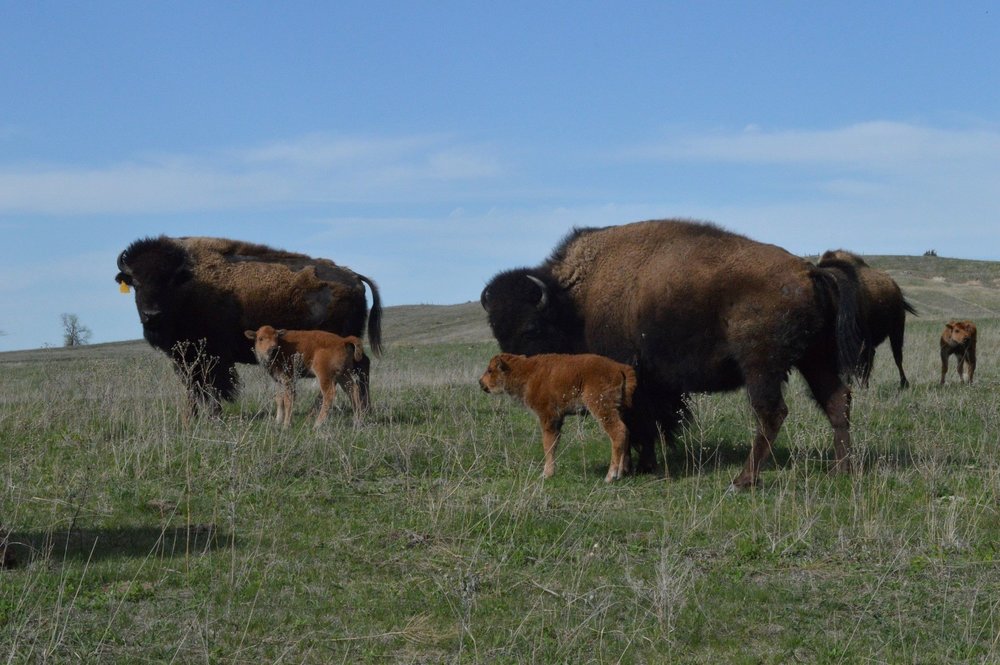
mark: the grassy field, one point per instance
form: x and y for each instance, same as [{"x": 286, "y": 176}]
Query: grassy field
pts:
[{"x": 428, "y": 535}]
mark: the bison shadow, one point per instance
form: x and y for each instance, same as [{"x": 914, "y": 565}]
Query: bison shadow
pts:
[
  {"x": 689, "y": 459},
  {"x": 89, "y": 545}
]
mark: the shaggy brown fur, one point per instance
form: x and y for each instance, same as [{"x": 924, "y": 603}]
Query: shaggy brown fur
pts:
[
  {"x": 275, "y": 285},
  {"x": 557, "y": 385},
  {"x": 959, "y": 339},
  {"x": 289, "y": 354},
  {"x": 883, "y": 311}
]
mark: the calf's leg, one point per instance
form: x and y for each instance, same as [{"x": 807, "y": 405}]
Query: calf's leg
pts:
[
  {"x": 620, "y": 456},
  {"x": 287, "y": 398},
  {"x": 605, "y": 407},
  {"x": 328, "y": 388},
  {"x": 551, "y": 428},
  {"x": 352, "y": 385}
]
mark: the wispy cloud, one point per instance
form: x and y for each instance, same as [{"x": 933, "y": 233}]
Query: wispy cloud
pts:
[
  {"x": 876, "y": 146},
  {"x": 313, "y": 168}
]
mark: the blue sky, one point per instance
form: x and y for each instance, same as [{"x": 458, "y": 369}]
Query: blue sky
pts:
[{"x": 429, "y": 145}]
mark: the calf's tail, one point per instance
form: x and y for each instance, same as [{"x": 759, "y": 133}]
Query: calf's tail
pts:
[
  {"x": 628, "y": 387},
  {"x": 359, "y": 349}
]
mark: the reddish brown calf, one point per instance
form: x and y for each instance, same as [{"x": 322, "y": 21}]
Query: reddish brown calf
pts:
[
  {"x": 555, "y": 385},
  {"x": 289, "y": 354},
  {"x": 959, "y": 338}
]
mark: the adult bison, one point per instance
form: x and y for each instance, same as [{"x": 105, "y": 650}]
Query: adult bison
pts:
[
  {"x": 695, "y": 309},
  {"x": 197, "y": 296},
  {"x": 883, "y": 308}
]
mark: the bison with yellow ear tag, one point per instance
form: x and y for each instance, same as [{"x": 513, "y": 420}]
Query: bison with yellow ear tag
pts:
[{"x": 197, "y": 296}]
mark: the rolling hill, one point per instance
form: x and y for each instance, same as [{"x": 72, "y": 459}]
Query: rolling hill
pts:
[{"x": 939, "y": 288}]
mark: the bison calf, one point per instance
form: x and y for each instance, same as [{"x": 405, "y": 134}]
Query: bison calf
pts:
[
  {"x": 289, "y": 354},
  {"x": 959, "y": 338},
  {"x": 556, "y": 385}
]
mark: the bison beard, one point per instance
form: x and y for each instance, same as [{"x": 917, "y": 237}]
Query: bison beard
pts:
[
  {"x": 196, "y": 297},
  {"x": 695, "y": 309}
]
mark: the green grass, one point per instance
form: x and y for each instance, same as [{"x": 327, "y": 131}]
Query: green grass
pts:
[{"x": 428, "y": 535}]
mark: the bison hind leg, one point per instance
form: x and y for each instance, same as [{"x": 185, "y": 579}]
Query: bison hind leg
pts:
[
  {"x": 833, "y": 396},
  {"x": 769, "y": 406}
]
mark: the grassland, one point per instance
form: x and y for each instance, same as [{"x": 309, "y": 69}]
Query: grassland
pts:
[{"x": 428, "y": 535}]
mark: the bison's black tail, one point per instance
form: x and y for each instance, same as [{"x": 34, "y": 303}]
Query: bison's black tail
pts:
[
  {"x": 841, "y": 294},
  {"x": 909, "y": 308},
  {"x": 374, "y": 318}
]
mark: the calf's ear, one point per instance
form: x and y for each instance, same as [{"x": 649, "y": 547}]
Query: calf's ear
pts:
[
  {"x": 502, "y": 365},
  {"x": 281, "y": 333},
  {"x": 250, "y": 334}
]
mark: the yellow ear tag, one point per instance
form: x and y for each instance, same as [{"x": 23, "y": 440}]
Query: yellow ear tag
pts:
[{"x": 123, "y": 287}]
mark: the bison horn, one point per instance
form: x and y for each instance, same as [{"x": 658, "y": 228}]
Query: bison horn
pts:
[
  {"x": 545, "y": 291},
  {"x": 484, "y": 298},
  {"x": 121, "y": 261}
]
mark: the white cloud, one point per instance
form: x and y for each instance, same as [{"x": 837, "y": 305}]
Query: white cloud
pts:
[
  {"x": 876, "y": 146},
  {"x": 314, "y": 168}
]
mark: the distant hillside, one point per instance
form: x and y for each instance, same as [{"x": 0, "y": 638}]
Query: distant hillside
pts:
[
  {"x": 427, "y": 324},
  {"x": 940, "y": 288}
]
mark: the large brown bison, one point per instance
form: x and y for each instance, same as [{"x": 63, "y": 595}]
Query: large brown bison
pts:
[
  {"x": 884, "y": 310},
  {"x": 696, "y": 309},
  {"x": 197, "y": 296}
]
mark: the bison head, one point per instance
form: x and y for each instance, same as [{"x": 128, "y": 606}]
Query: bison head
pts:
[
  {"x": 530, "y": 313},
  {"x": 156, "y": 268}
]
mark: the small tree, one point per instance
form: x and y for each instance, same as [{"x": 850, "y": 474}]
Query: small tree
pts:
[{"x": 74, "y": 332}]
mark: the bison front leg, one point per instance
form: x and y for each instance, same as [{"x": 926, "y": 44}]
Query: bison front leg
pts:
[
  {"x": 771, "y": 411},
  {"x": 551, "y": 427}
]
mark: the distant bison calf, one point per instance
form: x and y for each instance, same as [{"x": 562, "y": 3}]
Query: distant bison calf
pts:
[
  {"x": 289, "y": 354},
  {"x": 556, "y": 385},
  {"x": 959, "y": 338}
]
